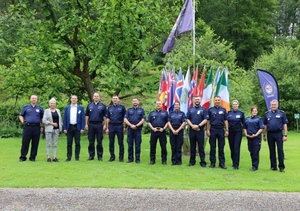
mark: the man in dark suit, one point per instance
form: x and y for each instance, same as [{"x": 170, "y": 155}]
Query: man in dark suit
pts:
[{"x": 73, "y": 126}]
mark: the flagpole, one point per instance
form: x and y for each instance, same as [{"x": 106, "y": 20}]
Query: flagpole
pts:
[{"x": 194, "y": 35}]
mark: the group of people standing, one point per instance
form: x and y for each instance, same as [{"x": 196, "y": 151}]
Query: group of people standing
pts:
[{"x": 115, "y": 120}]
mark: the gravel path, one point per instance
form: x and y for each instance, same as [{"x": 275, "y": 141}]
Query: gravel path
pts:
[{"x": 143, "y": 199}]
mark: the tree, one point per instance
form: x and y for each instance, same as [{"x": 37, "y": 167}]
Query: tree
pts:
[{"x": 83, "y": 46}]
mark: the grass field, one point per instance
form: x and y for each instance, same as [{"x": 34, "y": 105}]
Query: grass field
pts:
[{"x": 95, "y": 174}]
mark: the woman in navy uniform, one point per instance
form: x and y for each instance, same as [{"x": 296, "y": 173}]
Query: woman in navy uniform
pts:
[
  {"x": 235, "y": 118},
  {"x": 176, "y": 124},
  {"x": 253, "y": 128}
]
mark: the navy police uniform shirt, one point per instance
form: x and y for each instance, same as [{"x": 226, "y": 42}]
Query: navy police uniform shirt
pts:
[
  {"x": 176, "y": 118},
  {"x": 197, "y": 114},
  {"x": 235, "y": 119},
  {"x": 95, "y": 112},
  {"x": 135, "y": 115},
  {"x": 158, "y": 118},
  {"x": 116, "y": 113},
  {"x": 275, "y": 120},
  {"x": 253, "y": 124},
  {"x": 32, "y": 115},
  {"x": 217, "y": 116}
]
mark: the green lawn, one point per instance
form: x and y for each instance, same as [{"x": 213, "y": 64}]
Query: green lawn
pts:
[{"x": 104, "y": 174}]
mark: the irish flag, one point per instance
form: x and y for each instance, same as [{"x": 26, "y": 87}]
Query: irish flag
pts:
[
  {"x": 222, "y": 91},
  {"x": 207, "y": 92}
]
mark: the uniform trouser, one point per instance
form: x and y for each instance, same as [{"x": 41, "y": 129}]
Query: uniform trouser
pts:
[
  {"x": 254, "y": 145},
  {"x": 134, "y": 137},
  {"x": 73, "y": 132},
  {"x": 95, "y": 131},
  {"x": 235, "y": 139},
  {"x": 197, "y": 137},
  {"x": 113, "y": 131},
  {"x": 276, "y": 138},
  {"x": 217, "y": 133},
  {"x": 30, "y": 133},
  {"x": 163, "y": 144},
  {"x": 176, "y": 142},
  {"x": 51, "y": 140}
]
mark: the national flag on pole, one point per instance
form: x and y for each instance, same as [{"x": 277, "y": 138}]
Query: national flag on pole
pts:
[
  {"x": 222, "y": 91},
  {"x": 184, "y": 23},
  {"x": 268, "y": 86},
  {"x": 185, "y": 93},
  {"x": 214, "y": 87},
  {"x": 201, "y": 85},
  {"x": 171, "y": 93},
  {"x": 193, "y": 87},
  {"x": 162, "y": 92},
  {"x": 207, "y": 92},
  {"x": 179, "y": 86}
]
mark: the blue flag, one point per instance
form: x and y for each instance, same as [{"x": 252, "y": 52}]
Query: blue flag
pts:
[
  {"x": 184, "y": 23},
  {"x": 268, "y": 86}
]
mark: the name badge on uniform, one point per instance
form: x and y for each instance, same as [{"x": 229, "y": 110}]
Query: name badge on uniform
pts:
[
  {"x": 238, "y": 116},
  {"x": 220, "y": 112},
  {"x": 198, "y": 112},
  {"x": 79, "y": 111},
  {"x": 277, "y": 116},
  {"x": 37, "y": 110}
]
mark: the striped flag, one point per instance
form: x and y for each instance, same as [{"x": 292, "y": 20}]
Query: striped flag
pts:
[
  {"x": 201, "y": 85},
  {"x": 222, "y": 91},
  {"x": 193, "y": 88},
  {"x": 185, "y": 93},
  {"x": 207, "y": 92},
  {"x": 179, "y": 86}
]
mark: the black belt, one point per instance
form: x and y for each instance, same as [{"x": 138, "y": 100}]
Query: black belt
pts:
[
  {"x": 218, "y": 127},
  {"x": 30, "y": 124},
  {"x": 277, "y": 131},
  {"x": 235, "y": 128},
  {"x": 95, "y": 122},
  {"x": 115, "y": 124},
  {"x": 73, "y": 124}
]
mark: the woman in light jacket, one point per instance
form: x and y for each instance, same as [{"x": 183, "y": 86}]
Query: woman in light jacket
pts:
[{"x": 53, "y": 126}]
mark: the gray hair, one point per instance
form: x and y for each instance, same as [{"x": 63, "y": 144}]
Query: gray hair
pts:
[
  {"x": 52, "y": 100},
  {"x": 235, "y": 101}
]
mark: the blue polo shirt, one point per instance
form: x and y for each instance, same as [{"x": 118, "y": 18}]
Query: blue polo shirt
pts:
[
  {"x": 135, "y": 115},
  {"x": 158, "y": 118},
  {"x": 217, "y": 116},
  {"x": 253, "y": 124},
  {"x": 116, "y": 113},
  {"x": 197, "y": 114},
  {"x": 32, "y": 114},
  {"x": 235, "y": 119},
  {"x": 95, "y": 112},
  {"x": 275, "y": 120},
  {"x": 176, "y": 118}
]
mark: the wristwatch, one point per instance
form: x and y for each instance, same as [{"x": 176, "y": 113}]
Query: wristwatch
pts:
[{"x": 285, "y": 135}]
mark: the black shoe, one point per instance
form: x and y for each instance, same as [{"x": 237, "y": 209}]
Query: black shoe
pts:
[
  {"x": 164, "y": 162},
  {"x": 253, "y": 169},
  {"x": 32, "y": 159},
  {"x": 152, "y": 162},
  {"x": 281, "y": 170},
  {"x": 76, "y": 159},
  {"x": 130, "y": 161},
  {"x": 203, "y": 165},
  {"x": 212, "y": 165},
  {"x": 55, "y": 160},
  {"x": 100, "y": 159},
  {"x": 235, "y": 168},
  {"x": 22, "y": 159},
  {"x": 121, "y": 160},
  {"x": 90, "y": 158},
  {"x": 191, "y": 164},
  {"x": 273, "y": 169},
  {"x": 111, "y": 159},
  {"x": 137, "y": 161},
  {"x": 68, "y": 159},
  {"x": 222, "y": 166},
  {"x": 49, "y": 160}
]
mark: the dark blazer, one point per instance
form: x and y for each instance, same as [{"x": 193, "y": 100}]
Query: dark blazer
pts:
[{"x": 80, "y": 117}]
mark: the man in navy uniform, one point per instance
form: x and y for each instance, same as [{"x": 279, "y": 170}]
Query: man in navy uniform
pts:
[
  {"x": 134, "y": 119},
  {"x": 158, "y": 122},
  {"x": 115, "y": 118},
  {"x": 275, "y": 122},
  {"x": 215, "y": 130},
  {"x": 95, "y": 123},
  {"x": 73, "y": 126},
  {"x": 31, "y": 117},
  {"x": 197, "y": 118}
]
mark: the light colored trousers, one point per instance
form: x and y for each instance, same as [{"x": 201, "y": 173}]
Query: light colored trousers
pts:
[{"x": 51, "y": 139}]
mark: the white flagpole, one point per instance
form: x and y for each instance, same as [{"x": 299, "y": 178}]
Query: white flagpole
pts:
[{"x": 194, "y": 35}]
